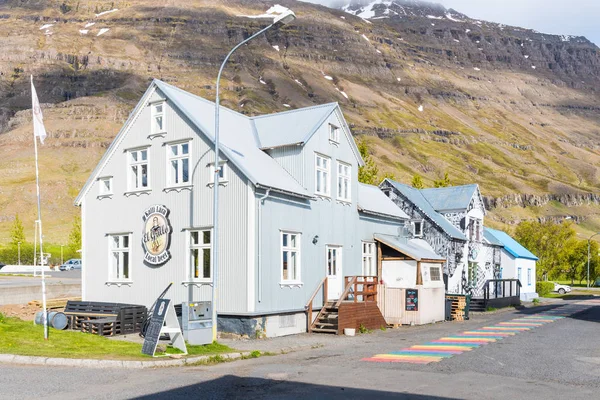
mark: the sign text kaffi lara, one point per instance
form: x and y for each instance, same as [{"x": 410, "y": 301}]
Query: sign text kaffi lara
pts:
[{"x": 156, "y": 235}]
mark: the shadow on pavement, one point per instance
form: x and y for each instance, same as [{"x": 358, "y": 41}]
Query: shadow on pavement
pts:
[
  {"x": 591, "y": 314},
  {"x": 235, "y": 387}
]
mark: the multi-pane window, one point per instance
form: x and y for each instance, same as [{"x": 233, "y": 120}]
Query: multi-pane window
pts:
[
  {"x": 334, "y": 260},
  {"x": 418, "y": 228},
  {"x": 519, "y": 273},
  {"x": 369, "y": 266},
  {"x": 105, "y": 186},
  {"x": 138, "y": 169},
  {"x": 179, "y": 163},
  {"x": 200, "y": 255},
  {"x": 472, "y": 273},
  {"x": 334, "y": 133},
  {"x": 435, "y": 273},
  {"x": 290, "y": 257},
  {"x": 158, "y": 118},
  {"x": 528, "y": 276},
  {"x": 474, "y": 230},
  {"x": 119, "y": 259},
  {"x": 344, "y": 171},
  {"x": 322, "y": 182}
]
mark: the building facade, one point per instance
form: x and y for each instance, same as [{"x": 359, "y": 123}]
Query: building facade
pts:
[
  {"x": 451, "y": 220},
  {"x": 291, "y": 211}
]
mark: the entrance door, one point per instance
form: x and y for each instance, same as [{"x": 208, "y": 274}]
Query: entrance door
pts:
[{"x": 334, "y": 272}]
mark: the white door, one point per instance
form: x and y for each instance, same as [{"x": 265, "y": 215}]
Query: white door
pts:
[{"x": 334, "y": 272}]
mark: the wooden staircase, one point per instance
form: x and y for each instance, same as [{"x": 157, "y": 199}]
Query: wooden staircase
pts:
[{"x": 327, "y": 319}]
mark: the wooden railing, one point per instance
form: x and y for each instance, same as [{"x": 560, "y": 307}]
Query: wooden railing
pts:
[
  {"x": 359, "y": 289},
  {"x": 309, "y": 304},
  {"x": 496, "y": 289}
]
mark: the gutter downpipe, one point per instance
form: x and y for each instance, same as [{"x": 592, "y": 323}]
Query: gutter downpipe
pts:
[{"x": 259, "y": 269}]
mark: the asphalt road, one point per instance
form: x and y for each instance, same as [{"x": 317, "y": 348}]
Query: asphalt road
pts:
[
  {"x": 52, "y": 278},
  {"x": 560, "y": 360}
]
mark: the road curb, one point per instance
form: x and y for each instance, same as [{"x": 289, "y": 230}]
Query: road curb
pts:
[{"x": 126, "y": 364}]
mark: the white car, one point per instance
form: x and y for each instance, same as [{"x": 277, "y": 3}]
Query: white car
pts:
[{"x": 561, "y": 289}]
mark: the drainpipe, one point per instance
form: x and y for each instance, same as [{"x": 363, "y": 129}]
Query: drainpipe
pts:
[{"x": 259, "y": 274}]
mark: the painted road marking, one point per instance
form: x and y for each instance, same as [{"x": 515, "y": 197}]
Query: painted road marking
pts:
[{"x": 447, "y": 347}]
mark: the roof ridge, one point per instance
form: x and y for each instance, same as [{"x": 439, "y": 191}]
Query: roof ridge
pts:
[{"x": 294, "y": 111}]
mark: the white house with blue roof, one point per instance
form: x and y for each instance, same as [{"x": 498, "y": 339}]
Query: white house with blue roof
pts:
[
  {"x": 291, "y": 211},
  {"x": 451, "y": 220},
  {"x": 517, "y": 262}
]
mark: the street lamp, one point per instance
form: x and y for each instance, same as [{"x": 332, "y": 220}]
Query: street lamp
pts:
[
  {"x": 588, "y": 263},
  {"x": 281, "y": 16},
  {"x": 19, "y": 251}
]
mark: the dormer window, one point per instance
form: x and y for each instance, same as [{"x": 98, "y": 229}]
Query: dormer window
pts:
[
  {"x": 158, "y": 117},
  {"x": 418, "y": 228},
  {"x": 474, "y": 230},
  {"x": 334, "y": 133}
]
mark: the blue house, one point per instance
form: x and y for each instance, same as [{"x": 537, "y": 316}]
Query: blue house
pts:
[{"x": 292, "y": 211}]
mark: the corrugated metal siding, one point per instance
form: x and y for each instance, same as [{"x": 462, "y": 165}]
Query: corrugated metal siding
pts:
[
  {"x": 290, "y": 158},
  {"x": 333, "y": 222},
  {"x": 187, "y": 209}
]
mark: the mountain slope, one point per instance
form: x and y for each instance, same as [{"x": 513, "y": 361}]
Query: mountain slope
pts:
[{"x": 430, "y": 89}]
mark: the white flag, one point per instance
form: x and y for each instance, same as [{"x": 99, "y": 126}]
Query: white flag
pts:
[{"x": 38, "y": 119}]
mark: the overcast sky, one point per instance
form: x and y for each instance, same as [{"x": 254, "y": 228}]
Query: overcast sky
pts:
[{"x": 574, "y": 17}]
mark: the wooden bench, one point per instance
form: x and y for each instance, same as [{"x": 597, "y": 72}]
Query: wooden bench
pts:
[{"x": 104, "y": 319}]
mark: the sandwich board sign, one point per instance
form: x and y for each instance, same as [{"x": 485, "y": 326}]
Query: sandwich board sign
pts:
[{"x": 163, "y": 322}]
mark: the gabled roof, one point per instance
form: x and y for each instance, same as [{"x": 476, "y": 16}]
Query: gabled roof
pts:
[
  {"x": 416, "y": 197},
  {"x": 487, "y": 235},
  {"x": 290, "y": 127},
  {"x": 450, "y": 198},
  {"x": 513, "y": 247},
  {"x": 416, "y": 249},
  {"x": 371, "y": 200},
  {"x": 237, "y": 141}
]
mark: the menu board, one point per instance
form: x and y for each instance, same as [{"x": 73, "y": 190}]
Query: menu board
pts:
[
  {"x": 157, "y": 321},
  {"x": 412, "y": 300}
]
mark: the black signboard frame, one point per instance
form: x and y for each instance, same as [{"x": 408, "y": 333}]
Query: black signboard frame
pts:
[
  {"x": 157, "y": 321},
  {"x": 412, "y": 300}
]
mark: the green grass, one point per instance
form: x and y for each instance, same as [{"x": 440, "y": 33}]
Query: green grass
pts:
[{"x": 24, "y": 338}]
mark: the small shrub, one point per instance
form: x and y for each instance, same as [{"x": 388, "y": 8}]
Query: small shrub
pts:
[
  {"x": 383, "y": 328},
  {"x": 363, "y": 329},
  {"x": 544, "y": 288},
  {"x": 255, "y": 354},
  {"x": 489, "y": 309},
  {"x": 536, "y": 301}
]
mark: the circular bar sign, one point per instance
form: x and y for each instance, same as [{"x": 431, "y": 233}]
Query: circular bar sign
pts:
[{"x": 156, "y": 235}]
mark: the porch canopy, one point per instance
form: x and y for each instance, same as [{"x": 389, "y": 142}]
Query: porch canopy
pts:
[{"x": 416, "y": 249}]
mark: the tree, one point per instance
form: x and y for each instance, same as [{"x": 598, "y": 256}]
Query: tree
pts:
[
  {"x": 17, "y": 233},
  {"x": 552, "y": 243},
  {"x": 577, "y": 260},
  {"x": 75, "y": 235},
  {"x": 445, "y": 182},
  {"x": 367, "y": 173},
  {"x": 417, "y": 182}
]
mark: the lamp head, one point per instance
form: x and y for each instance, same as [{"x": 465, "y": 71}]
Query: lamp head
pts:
[{"x": 285, "y": 18}]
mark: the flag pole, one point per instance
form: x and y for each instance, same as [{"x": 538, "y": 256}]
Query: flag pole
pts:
[{"x": 39, "y": 209}]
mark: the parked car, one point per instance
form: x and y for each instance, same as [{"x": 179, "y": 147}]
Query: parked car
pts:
[
  {"x": 2, "y": 265},
  {"x": 561, "y": 289},
  {"x": 73, "y": 263}
]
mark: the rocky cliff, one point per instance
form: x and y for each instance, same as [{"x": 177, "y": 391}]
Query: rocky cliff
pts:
[{"x": 430, "y": 89}]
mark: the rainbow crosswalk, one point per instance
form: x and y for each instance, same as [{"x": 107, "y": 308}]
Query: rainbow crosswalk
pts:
[{"x": 447, "y": 347}]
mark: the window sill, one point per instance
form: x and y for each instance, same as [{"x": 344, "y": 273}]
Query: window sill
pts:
[
  {"x": 333, "y": 142},
  {"x": 221, "y": 183},
  {"x": 178, "y": 189},
  {"x": 197, "y": 283},
  {"x": 105, "y": 196},
  {"x": 323, "y": 196},
  {"x": 137, "y": 192},
  {"x": 291, "y": 285},
  {"x": 344, "y": 202},
  {"x": 119, "y": 283},
  {"x": 157, "y": 135}
]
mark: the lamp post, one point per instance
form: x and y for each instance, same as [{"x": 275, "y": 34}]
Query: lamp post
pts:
[
  {"x": 284, "y": 18},
  {"x": 19, "y": 251},
  {"x": 588, "y": 263}
]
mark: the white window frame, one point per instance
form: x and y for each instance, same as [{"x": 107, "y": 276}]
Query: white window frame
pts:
[
  {"x": 201, "y": 246},
  {"x": 418, "y": 233},
  {"x": 290, "y": 249},
  {"x": 179, "y": 158},
  {"x": 103, "y": 191},
  {"x": 344, "y": 181},
  {"x": 223, "y": 173},
  {"x": 113, "y": 273},
  {"x": 334, "y": 134},
  {"x": 131, "y": 185},
  {"x": 338, "y": 260},
  {"x": 528, "y": 276},
  {"x": 519, "y": 273},
  {"x": 369, "y": 258},
  {"x": 326, "y": 172},
  {"x": 158, "y": 114}
]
